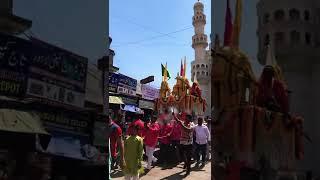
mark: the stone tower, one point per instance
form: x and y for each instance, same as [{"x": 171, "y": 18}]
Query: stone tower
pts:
[
  {"x": 200, "y": 67},
  {"x": 293, "y": 28}
]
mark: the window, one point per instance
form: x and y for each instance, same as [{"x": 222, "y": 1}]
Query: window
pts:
[
  {"x": 306, "y": 15},
  {"x": 266, "y": 39},
  {"x": 279, "y": 15},
  {"x": 294, "y": 14},
  {"x": 206, "y": 66},
  {"x": 202, "y": 65},
  {"x": 279, "y": 37},
  {"x": 295, "y": 36},
  {"x": 198, "y": 65},
  {"x": 207, "y": 73},
  {"x": 308, "y": 38},
  {"x": 198, "y": 73},
  {"x": 203, "y": 73},
  {"x": 266, "y": 18}
]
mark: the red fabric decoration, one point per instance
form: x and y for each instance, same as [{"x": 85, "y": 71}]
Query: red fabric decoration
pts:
[
  {"x": 234, "y": 169},
  {"x": 269, "y": 88}
]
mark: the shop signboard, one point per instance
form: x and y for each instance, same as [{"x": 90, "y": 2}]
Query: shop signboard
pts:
[
  {"x": 146, "y": 104},
  {"x": 113, "y": 82},
  {"x": 56, "y": 75},
  {"x": 149, "y": 92},
  {"x": 127, "y": 85},
  {"x": 70, "y": 133},
  {"x": 14, "y": 63},
  {"x": 68, "y": 122},
  {"x": 130, "y": 100}
]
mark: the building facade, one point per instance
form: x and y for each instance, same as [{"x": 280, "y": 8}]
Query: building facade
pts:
[
  {"x": 201, "y": 66},
  {"x": 293, "y": 28}
]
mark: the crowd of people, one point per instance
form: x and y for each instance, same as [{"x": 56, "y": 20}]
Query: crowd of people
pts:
[{"x": 177, "y": 136}]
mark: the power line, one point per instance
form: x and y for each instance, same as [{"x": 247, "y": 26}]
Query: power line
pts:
[
  {"x": 155, "y": 37},
  {"x": 144, "y": 27}
]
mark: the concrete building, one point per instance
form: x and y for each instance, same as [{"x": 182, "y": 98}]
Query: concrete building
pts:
[
  {"x": 293, "y": 27},
  {"x": 201, "y": 66}
]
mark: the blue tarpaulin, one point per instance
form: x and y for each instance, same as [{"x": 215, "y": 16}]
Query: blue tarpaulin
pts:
[{"x": 131, "y": 108}]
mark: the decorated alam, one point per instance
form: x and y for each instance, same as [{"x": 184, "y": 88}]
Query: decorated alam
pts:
[
  {"x": 251, "y": 119},
  {"x": 183, "y": 97}
]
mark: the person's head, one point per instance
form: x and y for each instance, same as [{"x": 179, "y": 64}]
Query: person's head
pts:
[
  {"x": 109, "y": 119},
  {"x": 188, "y": 118},
  {"x": 135, "y": 130},
  {"x": 200, "y": 121},
  {"x": 154, "y": 118}
]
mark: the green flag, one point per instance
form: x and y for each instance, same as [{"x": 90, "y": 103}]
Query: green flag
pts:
[{"x": 165, "y": 70}]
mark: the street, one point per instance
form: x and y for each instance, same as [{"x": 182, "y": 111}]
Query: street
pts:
[{"x": 175, "y": 173}]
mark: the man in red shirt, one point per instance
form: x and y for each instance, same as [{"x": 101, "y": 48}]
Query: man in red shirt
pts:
[
  {"x": 164, "y": 139},
  {"x": 152, "y": 130},
  {"x": 114, "y": 134},
  {"x": 137, "y": 122}
]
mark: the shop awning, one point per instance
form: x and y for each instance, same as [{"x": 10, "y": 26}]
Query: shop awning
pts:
[
  {"x": 115, "y": 100},
  {"x": 22, "y": 125},
  {"x": 20, "y": 122}
]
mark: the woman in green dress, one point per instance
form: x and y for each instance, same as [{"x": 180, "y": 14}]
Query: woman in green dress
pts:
[{"x": 133, "y": 154}]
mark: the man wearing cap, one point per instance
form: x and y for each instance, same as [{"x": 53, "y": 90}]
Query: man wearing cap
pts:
[
  {"x": 186, "y": 140},
  {"x": 152, "y": 130}
]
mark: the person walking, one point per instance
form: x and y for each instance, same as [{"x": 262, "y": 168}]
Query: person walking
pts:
[
  {"x": 186, "y": 140},
  {"x": 164, "y": 139},
  {"x": 202, "y": 136},
  {"x": 175, "y": 139},
  {"x": 114, "y": 138},
  {"x": 152, "y": 130},
  {"x": 133, "y": 155}
]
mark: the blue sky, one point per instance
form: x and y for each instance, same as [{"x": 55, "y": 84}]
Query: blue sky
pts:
[
  {"x": 139, "y": 30},
  {"x": 81, "y": 27}
]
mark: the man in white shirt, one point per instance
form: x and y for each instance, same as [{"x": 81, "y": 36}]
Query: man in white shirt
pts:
[{"x": 202, "y": 134}]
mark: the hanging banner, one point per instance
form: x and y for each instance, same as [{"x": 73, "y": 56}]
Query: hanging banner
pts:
[
  {"x": 56, "y": 75},
  {"x": 149, "y": 92},
  {"x": 14, "y": 64}
]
